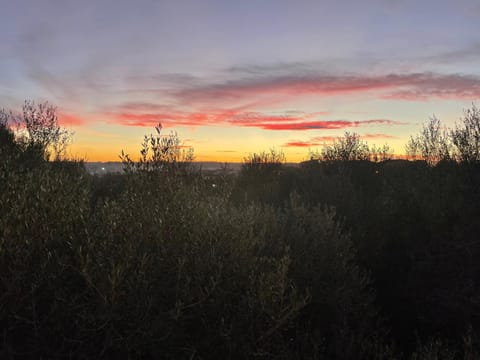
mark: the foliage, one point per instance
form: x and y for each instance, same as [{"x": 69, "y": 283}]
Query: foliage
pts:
[
  {"x": 159, "y": 153},
  {"x": 432, "y": 143},
  {"x": 466, "y": 136},
  {"x": 168, "y": 270},
  {"x": 346, "y": 148},
  {"x": 259, "y": 175},
  {"x": 39, "y": 130},
  {"x": 350, "y": 147},
  {"x": 380, "y": 153},
  {"x": 8, "y": 145},
  {"x": 168, "y": 266},
  {"x": 270, "y": 161}
]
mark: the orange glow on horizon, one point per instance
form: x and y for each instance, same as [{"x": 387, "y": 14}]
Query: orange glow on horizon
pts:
[{"x": 237, "y": 157}]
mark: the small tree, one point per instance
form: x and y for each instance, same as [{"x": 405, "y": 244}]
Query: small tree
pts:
[
  {"x": 159, "y": 152},
  {"x": 260, "y": 177},
  {"x": 41, "y": 123},
  {"x": 382, "y": 153},
  {"x": 7, "y": 137},
  {"x": 271, "y": 160},
  {"x": 346, "y": 148},
  {"x": 466, "y": 136},
  {"x": 412, "y": 148},
  {"x": 38, "y": 130},
  {"x": 432, "y": 143}
]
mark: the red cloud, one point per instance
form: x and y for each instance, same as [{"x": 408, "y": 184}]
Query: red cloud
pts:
[
  {"x": 378, "y": 136},
  {"x": 152, "y": 119},
  {"x": 315, "y": 141},
  {"x": 70, "y": 119},
  {"x": 289, "y": 121},
  {"x": 304, "y": 125},
  {"x": 300, "y": 144}
]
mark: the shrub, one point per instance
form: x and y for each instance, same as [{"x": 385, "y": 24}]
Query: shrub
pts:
[
  {"x": 466, "y": 136},
  {"x": 346, "y": 148}
]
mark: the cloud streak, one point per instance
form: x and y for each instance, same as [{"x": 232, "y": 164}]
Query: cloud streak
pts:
[
  {"x": 66, "y": 119},
  {"x": 259, "y": 87},
  {"x": 323, "y": 140},
  {"x": 411, "y": 87},
  {"x": 469, "y": 53},
  {"x": 290, "y": 120}
]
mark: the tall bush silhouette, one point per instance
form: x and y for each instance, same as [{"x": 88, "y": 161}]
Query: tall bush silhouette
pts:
[
  {"x": 466, "y": 136},
  {"x": 432, "y": 144},
  {"x": 159, "y": 152},
  {"x": 346, "y": 148}
]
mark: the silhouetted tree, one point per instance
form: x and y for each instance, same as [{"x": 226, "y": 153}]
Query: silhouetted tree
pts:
[
  {"x": 260, "y": 177},
  {"x": 270, "y": 160},
  {"x": 466, "y": 136},
  {"x": 346, "y": 148},
  {"x": 159, "y": 152},
  {"x": 432, "y": 144},
  {"x": 7, "y": 137},
  {"x": 383, "y": 153},
  {"x": 38, "y": 129}
]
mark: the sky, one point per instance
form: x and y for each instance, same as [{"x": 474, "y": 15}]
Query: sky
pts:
[{"x": 236, "y": 77}]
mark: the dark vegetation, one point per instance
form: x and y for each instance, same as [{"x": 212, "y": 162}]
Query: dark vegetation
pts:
[{"x": 351, "y": 255}]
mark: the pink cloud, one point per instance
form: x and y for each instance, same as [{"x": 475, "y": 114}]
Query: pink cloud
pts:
[
  {"x": 300, "y": 144},
  {"x": 290, "y": 121},
  {"x": 314, "y": 141},
  {"x": 416, "y": 86},
  {"x": 377, "y": 136},
  {"x": 303, "y": 125},
  {"x": 323, "y": 140},
  {"x": 66, "y": 119}
]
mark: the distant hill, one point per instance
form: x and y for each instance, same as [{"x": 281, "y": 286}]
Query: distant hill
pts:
[
  {"x": 99, "y": 168},
  {"x": 117, "y": 167}
]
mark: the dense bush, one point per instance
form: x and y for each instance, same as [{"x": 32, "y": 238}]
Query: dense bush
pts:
[
  {"x": 168, "y": 266},
  {"x": 415, "y": 228},
  {"x": 164, "y": 269}
]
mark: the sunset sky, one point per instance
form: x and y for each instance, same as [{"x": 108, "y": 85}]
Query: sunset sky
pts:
[{"x": 236, "y": 77}]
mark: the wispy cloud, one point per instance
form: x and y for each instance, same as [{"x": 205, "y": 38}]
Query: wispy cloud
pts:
[
  {"x": 300, "y": 143},
  {"x": 143, "y": 107},
  {"x": 468, "y": 53},
  {"x": 68, "y": 119},
  {"x": 278, "y": 68},
  {"x": 258, "y": 87},
  {"x": 290, "y": 120},
  {"x": 377, "y": 136},
  {"x": 414, "y": 86},
  {"x": 323, "y": 140},
  {"x": 317, "y": 125}
]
